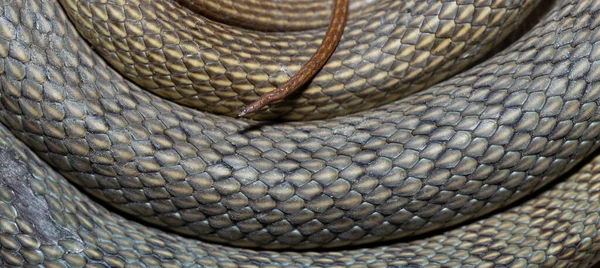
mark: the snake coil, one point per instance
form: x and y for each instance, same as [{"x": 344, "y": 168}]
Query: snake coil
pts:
[{"x": 453, "y": 152}]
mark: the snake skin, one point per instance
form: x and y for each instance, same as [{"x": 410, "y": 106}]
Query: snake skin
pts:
[
  {"x": 383, "y": 174},
  {"x": 397, "y": 49},
  {"x": 328, "y": 45},
  {"x": 453, "y": 152},
  {"x": 44, "y": 221},
  {"x": 277, "y": 16}
]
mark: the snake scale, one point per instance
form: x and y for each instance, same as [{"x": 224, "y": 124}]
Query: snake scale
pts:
[
  {"x": 384, "y": 54},
  {"x": 458, "y": 150},
  {"x": 273, "y": 15}
]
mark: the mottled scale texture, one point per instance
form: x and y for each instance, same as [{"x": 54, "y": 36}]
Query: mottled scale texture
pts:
[
  {"x": 435, "y": 159},
  {"x": 456, "y": 151},
  {"x": 274, "y": 16},
  {"x": 396, "y": 49},
  {"x": 45, "y": 221},
  {"x": 356, "y": 179}
]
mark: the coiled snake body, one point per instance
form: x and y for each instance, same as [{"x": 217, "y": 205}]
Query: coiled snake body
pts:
[{"x": 456, "y": 151}]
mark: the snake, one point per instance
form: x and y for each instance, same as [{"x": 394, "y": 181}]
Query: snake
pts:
[
  {"x": 233, "y": 181},
  {"x": 446, "y": 157},
  {"x": 312, "y": 66},
  {"x": 209, "y": 66},
  {"x": 273, "y": 16}
]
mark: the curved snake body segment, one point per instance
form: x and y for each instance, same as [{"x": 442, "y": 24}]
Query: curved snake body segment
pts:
[
  {"x": 274, "y": 16},
  {"x": 218, "y": 68},
  {"x": 453, "y": 152},
  {"x": 312, "y": 67},
  {"x": 466, "y": 146},
  {"x": 46, "y": 221}
]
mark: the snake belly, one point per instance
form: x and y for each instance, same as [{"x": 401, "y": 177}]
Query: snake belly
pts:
[{"x": 505, "y": 128}]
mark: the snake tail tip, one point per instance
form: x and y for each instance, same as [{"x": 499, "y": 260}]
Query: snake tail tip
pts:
[
  {"x": 252, "y": 108},
  {"x": 244, "y": 112}
]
